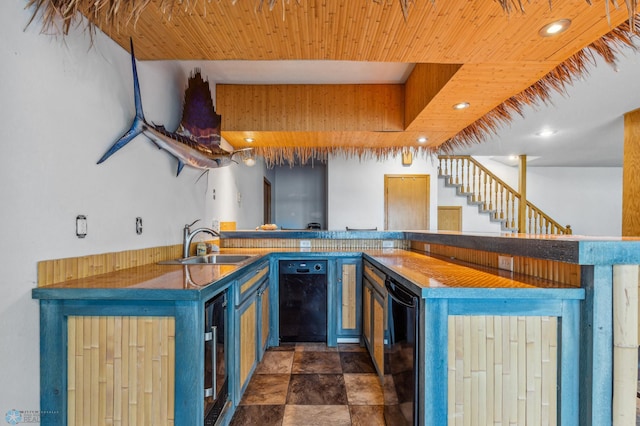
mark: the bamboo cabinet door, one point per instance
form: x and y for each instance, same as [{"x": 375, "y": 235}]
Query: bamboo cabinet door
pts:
[
  {"x": 378, "y": 323},
  {"x": 263, "y": 298},
  {"x": 349, "y": 297},
  {"x": 366, "y": 316},
  {"x": 247, "y": 322}
]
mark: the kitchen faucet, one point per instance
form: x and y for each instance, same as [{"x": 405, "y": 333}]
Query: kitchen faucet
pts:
[{"x": 188, "y": 235}]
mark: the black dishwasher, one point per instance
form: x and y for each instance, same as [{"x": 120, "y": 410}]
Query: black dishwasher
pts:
[
  {"x": 401, "y": 355},
  {"x": 302, "y": 293}
]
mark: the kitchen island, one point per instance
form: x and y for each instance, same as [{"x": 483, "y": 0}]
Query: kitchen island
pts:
[{"x": 563, "y": 284}]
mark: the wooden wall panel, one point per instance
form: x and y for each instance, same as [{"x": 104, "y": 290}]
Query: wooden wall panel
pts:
[
  {"x": 564, "y": 273},
  {"x": 502, "y": 370},
  {"x": 121, "y": 370},
  {"x": 316, "y": 244},
  {"x": 424, "y": 83},
  {"x": 59, "y": 270},
  {"x": 314, "y": 107},
  {"x": 630, "y": 175}
]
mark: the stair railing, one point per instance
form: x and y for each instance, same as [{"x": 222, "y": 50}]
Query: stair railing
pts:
[{"x": 492, "y": 195}]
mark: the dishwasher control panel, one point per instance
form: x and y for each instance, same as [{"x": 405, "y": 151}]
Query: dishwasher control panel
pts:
[{"x": 295, "y": 267}]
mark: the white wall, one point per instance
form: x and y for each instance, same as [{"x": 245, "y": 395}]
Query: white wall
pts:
[
  {"x": 587, "y": 198},
  {"x": 62, "y": 105},
  {"x": 300, "y": 195},
  {"x": 356, "y": 190}
]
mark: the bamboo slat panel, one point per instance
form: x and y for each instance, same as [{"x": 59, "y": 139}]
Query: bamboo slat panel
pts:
[
  {"x": 314, "y": 107},
  {"x": 59, "y": 270},
  {"x": 247, "y": 342},
  {"x": 630, "y": 177},
  {"x": 349, "y": 302},
  {"x": 560, "y": 272},
  {"x": 456, "y": 31},
  {"x": 366, "y": 313},
  {"x": 121, "y": 370},
  {"x": 626, "y": 279},
  {"x": 502, "y": 370},
  {"x": 316, "y": 244}
]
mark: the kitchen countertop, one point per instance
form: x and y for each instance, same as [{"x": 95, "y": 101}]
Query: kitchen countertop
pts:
[
  {"x": 425, "y": 275},
  {"x": 435, "y": 276}
]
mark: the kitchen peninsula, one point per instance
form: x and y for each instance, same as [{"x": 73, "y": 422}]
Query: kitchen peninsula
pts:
[{"x": 549, "y": 319}]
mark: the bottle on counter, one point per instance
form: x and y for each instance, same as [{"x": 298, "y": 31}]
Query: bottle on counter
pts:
[{"x": 201, "y": 249}]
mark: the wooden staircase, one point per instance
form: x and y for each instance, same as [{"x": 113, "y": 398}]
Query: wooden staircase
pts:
[{"x": 494, "y": 197}]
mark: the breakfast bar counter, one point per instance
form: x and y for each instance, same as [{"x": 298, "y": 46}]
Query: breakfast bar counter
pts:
[{"x": 552, "y": 311}]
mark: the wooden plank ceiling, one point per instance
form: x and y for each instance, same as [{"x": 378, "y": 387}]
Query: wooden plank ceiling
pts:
[{"x": 466, "y": 51}]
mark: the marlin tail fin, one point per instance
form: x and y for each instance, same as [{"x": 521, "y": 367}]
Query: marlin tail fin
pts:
[{"x": 139, "y": 124}]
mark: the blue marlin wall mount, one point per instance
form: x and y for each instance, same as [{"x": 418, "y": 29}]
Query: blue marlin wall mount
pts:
[{"x": 196, "y": 142}]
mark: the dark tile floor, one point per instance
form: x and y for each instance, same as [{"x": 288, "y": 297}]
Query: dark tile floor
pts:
[{"x": 312, "y": 384}]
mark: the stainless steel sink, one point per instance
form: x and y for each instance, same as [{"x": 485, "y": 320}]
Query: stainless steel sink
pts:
[{"x": 210, "y": 259}]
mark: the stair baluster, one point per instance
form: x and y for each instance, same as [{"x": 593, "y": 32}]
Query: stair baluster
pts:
[{"x": 493, "y": 196}]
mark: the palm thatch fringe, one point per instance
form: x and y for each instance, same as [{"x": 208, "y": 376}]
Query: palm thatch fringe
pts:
[
  {"x": 279, "y": 156},
  {"x": 608, "y": 47},
  {"x": 58, "y": 16}
]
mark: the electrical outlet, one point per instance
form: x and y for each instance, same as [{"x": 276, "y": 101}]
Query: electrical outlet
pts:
[
  {"x": 427, "y": 248},
  {"x": 305, "y": 243},
  {"x": 505, "y": 262},
  {"x": 138, "y": 225},
  {"x": 387, "y": 244}
]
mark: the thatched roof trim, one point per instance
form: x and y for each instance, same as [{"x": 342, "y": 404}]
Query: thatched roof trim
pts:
[
  {"x": 608, "y": 47},
  {"x": 57, "y": 16}
]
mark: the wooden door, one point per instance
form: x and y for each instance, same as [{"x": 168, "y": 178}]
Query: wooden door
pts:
[
  {"x": 406, "y": 202},
  {"x": 449, "y": 218}
]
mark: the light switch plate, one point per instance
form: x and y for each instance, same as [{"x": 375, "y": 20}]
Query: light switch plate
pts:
[{"x": 81, "y": 226}]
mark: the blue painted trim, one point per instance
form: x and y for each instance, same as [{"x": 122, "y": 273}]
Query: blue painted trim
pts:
[
  {"x": 189, "y": 378},
  {"x": 569, "y": 377},
  {"x": 115, "y": 294},
  {"x": 503, "y": 293},
  {"x": 274, "y": 314},
  {"x": 600, "y": 334},
  {"x": 599, "y": 252},
  {"x": 435, "y": 362},
  {"x": 53, "y": 364},
  {"x": 332, "y": 291},
  {"x": 506, "y": 307}
]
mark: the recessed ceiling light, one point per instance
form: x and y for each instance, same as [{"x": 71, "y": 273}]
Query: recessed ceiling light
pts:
[
  {"x": 555, "y": 28},
  {"x": 545, "y": 133},
  {"x": 461, "y": 105},
  {"x": 249, "y": 140},
  {"x": 421, "y": 139}
]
